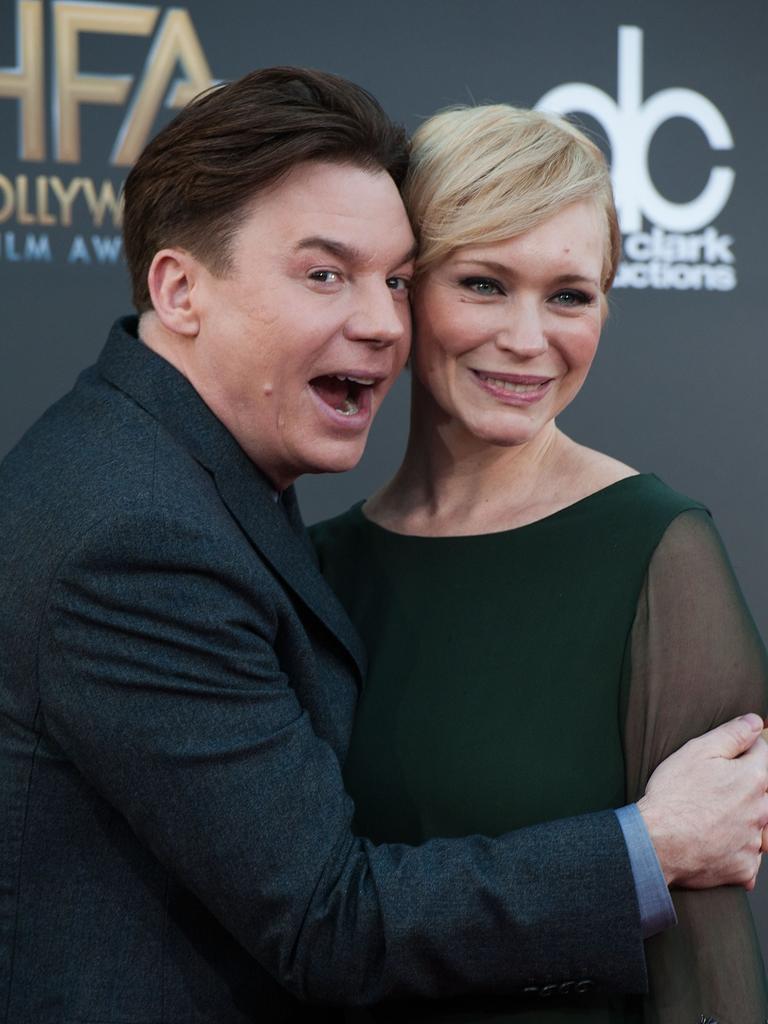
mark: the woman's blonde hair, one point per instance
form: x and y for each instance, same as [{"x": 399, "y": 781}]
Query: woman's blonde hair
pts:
[{"x": 488, "y": 173}]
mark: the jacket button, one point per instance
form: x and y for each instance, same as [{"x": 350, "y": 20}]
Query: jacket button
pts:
[
  {"x": 582, "y": 987},
  {"x": 532, "y": 990},
  {"x": 548, "y": 990},
  {"x": 566, "y": 988}
]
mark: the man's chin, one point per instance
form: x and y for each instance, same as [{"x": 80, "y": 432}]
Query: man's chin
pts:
[{"x": 337, "y": 457}]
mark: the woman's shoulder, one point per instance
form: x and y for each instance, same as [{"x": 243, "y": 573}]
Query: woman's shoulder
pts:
[
  {"x": 628, "y": 518},
  {"x": 595, "y": 470},
  {"x": 621, "y": 487}
]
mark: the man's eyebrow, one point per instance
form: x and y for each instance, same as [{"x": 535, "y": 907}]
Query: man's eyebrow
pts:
[
  {"x": 411, "y": 254},
  {"x": 330, "y": 245},
  {"x": 343, "y": 251}
]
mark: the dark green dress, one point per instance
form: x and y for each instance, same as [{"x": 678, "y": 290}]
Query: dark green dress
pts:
[{"x": 504, "y": 672}]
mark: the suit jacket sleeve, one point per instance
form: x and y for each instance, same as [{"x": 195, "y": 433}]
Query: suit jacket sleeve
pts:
[{"x": 159, "y": 679}]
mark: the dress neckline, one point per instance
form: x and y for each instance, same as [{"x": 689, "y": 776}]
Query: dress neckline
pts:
[{"x": 578, "y": 505}]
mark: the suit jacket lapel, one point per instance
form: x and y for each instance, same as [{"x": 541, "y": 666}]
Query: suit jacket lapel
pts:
[
  {"x": 273, "y": 525},
  {"x": 284, "y": 545}
]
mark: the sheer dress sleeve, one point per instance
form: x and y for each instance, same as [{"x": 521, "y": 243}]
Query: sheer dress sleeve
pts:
[{"x": 695, "y": 659}]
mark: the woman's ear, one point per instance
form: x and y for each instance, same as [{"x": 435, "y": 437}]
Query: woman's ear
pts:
[{"x": 171, "y": 279}]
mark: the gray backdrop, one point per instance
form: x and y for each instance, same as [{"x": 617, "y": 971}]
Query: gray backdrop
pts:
[{"x": 676, "y": 91}]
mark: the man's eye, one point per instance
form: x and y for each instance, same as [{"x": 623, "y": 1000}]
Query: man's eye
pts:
[
  {"x": 482, "y": 285},
  {"x": 325, "y": 276},
  {"x": 399, "y": 284}
]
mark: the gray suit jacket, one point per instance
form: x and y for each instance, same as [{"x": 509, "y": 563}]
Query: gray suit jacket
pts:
[{"x": 177, "y": 685}]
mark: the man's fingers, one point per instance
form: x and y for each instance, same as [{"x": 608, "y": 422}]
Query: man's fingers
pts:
[
  {"x": 715, "y": 786},
  {"x": 732, "y": 738},
  {"x": 755, "y": 760}
]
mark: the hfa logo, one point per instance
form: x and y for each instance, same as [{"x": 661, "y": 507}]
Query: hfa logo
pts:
[
  {"x": 174, "y": 70},
  {"x": 675, "y": 252}
]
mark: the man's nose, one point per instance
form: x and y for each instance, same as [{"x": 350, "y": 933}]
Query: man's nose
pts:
[{"x": 380, "y": 317}]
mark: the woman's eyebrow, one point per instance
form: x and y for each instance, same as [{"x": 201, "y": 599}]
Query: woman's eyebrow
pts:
[
  {"x": 575, "y": 279},
  {"x": 507, "y": 271}
]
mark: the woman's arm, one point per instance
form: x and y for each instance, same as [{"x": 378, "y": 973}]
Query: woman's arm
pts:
[{"x": 695, "y": 659}]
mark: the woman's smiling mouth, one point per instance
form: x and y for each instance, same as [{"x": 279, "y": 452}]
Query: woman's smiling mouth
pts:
[{"x": 512, "y": 388}]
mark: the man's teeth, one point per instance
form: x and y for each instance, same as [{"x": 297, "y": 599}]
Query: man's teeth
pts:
[
  {"x": 368, "y": 381},
  {"x": 510, "y": 385},
  {"x": 349, "y": 407}
]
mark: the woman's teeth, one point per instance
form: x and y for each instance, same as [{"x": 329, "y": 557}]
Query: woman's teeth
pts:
[{"x": 512, "y": 386}]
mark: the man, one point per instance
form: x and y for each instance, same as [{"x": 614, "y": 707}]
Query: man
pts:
[{"x": 177, "y": 681}]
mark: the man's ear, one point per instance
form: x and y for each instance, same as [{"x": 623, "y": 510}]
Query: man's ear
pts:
[{"x": 171, "y": 280}]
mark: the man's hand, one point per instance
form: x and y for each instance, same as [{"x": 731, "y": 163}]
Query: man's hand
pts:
[{"x": 705, "y": 807}]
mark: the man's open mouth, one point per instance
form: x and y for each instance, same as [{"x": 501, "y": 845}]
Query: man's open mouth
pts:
[{"x": 344, "y": 394}]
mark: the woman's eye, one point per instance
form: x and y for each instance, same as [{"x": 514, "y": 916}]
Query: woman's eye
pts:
[
  {"x": 571, "y": 297},
  {"x": 325, "y": 276},
  {"x": 482, "y": 285}
]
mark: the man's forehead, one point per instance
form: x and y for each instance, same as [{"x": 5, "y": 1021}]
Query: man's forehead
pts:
[
  {"x": 345, "y": 211},
  {"x": 317, "y": 188}
]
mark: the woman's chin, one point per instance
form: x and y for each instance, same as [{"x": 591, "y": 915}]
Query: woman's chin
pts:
[{"x": 504, "y": 434}]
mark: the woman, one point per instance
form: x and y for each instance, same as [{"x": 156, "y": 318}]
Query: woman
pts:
[{"x": 508, "y": 574}]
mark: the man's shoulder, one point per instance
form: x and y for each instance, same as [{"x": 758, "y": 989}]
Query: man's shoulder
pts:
[{"x": 97, "y": 456}]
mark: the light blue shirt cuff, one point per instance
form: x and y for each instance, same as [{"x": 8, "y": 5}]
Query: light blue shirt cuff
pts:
[{"x": 656, "y": 909}]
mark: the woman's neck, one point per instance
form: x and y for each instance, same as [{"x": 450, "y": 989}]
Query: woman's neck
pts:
[{"x": 452, "y": 482}]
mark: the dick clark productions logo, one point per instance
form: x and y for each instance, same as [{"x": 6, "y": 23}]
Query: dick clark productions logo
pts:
[
  {"x": 44, "y": 211},
  {"x": 682, "y": 248}
]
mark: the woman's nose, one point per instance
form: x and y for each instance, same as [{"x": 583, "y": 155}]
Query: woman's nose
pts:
[{"x": 523, "y": 332}]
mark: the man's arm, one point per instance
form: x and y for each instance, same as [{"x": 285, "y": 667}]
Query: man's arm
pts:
[
  {"x": 159, "y": 679},
  {"x": 699, "y": 790},
  {"x": 659, "y": 862},
  {"x": 657, "y": 912}
]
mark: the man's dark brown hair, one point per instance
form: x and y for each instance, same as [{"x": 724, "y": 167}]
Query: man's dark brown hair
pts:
[{"x": 195, "y": 180}]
